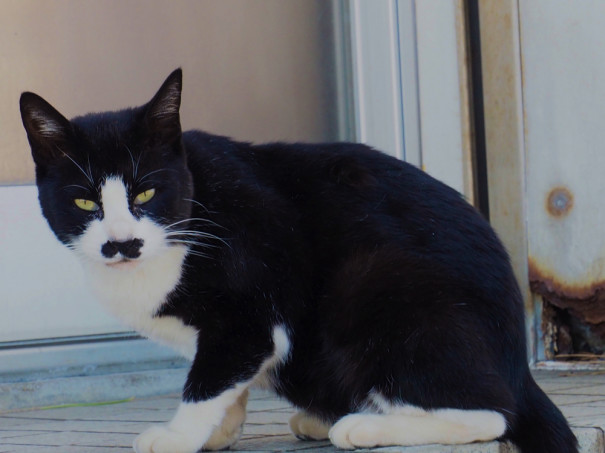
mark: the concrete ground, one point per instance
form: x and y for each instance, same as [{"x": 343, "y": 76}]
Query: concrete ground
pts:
[{"x": 112, "y": 427}]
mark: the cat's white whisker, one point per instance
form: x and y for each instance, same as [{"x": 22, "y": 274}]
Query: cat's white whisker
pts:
[
  {"x": 147, "y": 175},
  {"x": 87, "y": 175},
  {"x": 194, "y": 233},
  {"x": 178, "y": 222},
  {"x": 191, "y": 242},
  {"x": 89, "y": 167},
  {"x": 195, "y": 219},
  {"x": 135, "y": 167},
  {"x": 196, "y": 253},
  {"x": 200, "y": 205},
  {"x": 191, "y": 235},
  {"x": 76, "y": 185}
]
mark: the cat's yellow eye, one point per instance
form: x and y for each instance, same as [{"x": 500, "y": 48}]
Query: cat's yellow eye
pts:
[
  {"x": 144, "y": 197},
  {"x": 86, "y": 205}
]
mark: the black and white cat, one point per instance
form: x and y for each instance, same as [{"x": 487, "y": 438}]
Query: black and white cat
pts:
[{"x": 368, "y": 294}]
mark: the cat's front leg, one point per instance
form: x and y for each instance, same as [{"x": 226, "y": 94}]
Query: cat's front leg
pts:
[
  {"x": 194, "y": 423},
  {"x": 230, "y": 429},
  {"x": 213, "y": 406}
]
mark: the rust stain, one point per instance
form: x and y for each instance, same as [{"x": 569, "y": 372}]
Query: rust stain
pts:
[
  {"x": 559, "y": 201},
  {"x": 573, "y": 316},
  {"x": 585, "y": 300}
]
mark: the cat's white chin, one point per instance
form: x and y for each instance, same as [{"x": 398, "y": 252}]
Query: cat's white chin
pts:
[{"x": 123, "y": 264}]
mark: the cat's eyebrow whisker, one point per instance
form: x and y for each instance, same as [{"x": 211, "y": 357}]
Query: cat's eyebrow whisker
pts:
[
  {"x": 135, "y": 167},
  {"x": 89, "y": 168},
  {"x": 140, "y": 180},
  {"x": 139, "y": 161},
  {"x": 88, "y": 175},
  {"x": 76, "y": 185}
]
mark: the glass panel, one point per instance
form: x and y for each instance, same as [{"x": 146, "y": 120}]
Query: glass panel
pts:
[{"x": 255, "y": 71}]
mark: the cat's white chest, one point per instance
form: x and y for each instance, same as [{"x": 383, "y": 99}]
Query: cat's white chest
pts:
[{"x": 135, "y": 295}]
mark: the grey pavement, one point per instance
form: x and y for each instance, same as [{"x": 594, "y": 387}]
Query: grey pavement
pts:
[{"x": 112, "y": 427}]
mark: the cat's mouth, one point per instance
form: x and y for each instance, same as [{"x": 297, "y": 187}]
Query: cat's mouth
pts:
[{"x": 124, "y": 263}]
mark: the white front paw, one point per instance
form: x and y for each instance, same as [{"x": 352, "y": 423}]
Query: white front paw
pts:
[{"x": 162, "y": 439}]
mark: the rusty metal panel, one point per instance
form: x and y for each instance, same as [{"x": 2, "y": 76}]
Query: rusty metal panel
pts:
[{"x": 563, "y": 52}]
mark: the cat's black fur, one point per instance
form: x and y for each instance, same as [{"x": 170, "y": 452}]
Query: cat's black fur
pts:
[{"x": 386, "y": 279}]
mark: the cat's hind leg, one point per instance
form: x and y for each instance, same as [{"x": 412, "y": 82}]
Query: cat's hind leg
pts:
[
  {"x": 308, "y": 427},
  {"x": 417, "y": 427}
]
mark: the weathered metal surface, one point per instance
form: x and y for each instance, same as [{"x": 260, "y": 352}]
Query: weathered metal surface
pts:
[{"x": 562, "y": 46}]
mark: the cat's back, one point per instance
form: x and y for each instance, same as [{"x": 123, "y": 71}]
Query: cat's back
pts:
[
  {"x": 363, "y": 191},
  {"x": 346, "y": 188},
  {"x": 347, "y": 196}
]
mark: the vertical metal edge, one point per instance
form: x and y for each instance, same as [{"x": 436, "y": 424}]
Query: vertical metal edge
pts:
[
  {"x": 505, "y": 143},
  {"x": 471, "y": 104},
  {"x": 375, "y": 75},
  {"x": 341, "y": 19},
  {"x": 408, "y": 62}
]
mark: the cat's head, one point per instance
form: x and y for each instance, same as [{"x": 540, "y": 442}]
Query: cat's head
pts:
[{"x": 113, "y": 186}]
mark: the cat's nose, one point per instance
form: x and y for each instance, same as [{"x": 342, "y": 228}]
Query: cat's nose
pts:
[{"x": 128, "y": 249}]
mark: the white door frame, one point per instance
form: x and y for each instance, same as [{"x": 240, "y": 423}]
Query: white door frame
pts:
[{"x": 409, "y": 84}]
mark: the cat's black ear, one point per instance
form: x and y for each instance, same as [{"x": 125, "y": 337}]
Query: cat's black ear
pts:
[
  {"x": 162, "y": 112},
  {"x": 47, "y": 130}
]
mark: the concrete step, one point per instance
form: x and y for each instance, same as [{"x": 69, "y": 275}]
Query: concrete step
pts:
[{"x": 83, "y": 428}]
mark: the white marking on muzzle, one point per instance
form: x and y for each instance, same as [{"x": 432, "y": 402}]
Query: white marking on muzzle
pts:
[{"x": 119, "y": 223}]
